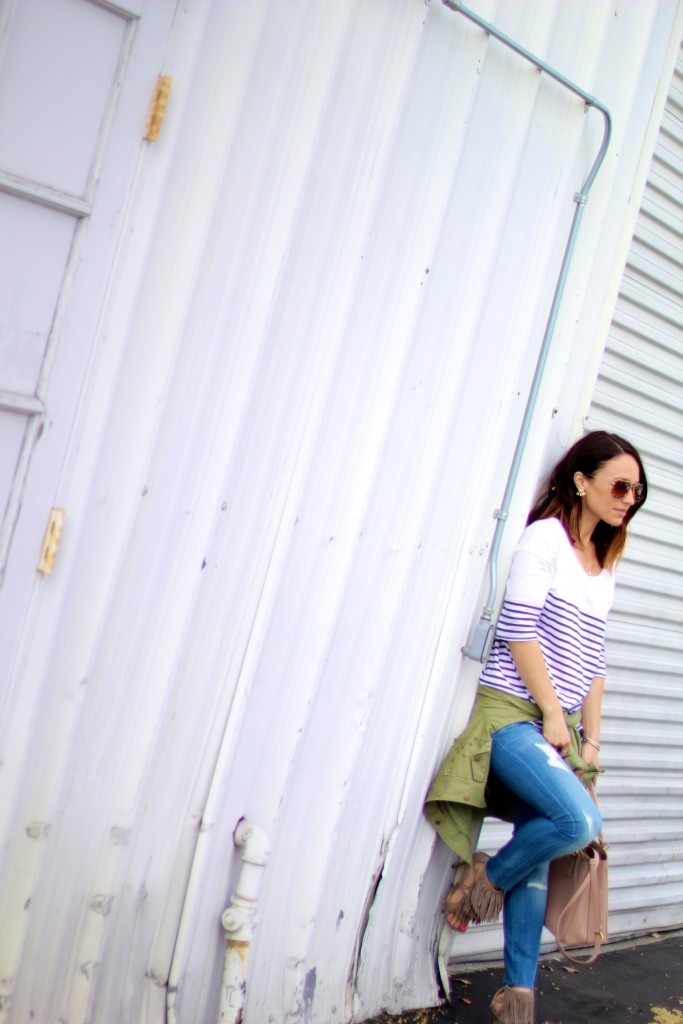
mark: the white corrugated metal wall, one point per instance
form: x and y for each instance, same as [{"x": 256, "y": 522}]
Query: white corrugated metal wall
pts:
[
  {"x": 310, "y": 370},
  {"x": 639, "y": 393}
]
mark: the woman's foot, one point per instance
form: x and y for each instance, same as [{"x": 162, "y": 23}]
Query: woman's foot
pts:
[
  {"x": 457, "y": 903},
  {"x": 513, "y": 1005}
]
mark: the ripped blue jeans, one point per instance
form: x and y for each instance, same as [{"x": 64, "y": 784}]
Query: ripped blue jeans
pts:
[{"x": 554, "y": 815}]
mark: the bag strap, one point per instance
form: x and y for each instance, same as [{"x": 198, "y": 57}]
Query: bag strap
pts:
[
  {"x": 597, "y": 942},
  {"x": 592, "y": 789}
]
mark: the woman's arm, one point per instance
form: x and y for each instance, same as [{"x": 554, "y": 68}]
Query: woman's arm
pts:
[
  {"x": 528, "y": 657},
  {"x": 591, "y": 713}
]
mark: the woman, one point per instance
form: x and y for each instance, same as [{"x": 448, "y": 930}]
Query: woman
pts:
[{"x": 533, "y": 740}]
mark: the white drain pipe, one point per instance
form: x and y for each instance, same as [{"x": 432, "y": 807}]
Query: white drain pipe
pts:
[{"x": 240, "y": 917}]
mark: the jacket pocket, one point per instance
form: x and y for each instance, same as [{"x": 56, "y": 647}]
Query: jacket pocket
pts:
[{"x": 467, "y": 761}]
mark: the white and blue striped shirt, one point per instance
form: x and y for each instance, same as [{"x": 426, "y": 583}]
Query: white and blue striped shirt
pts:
[{"x": 550, "y": 598}]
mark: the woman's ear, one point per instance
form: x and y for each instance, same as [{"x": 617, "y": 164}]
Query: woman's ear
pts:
[{"x": 579, "y": 481}]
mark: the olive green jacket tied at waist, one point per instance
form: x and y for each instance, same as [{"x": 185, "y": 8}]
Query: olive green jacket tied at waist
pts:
[{"x": 463, "y": 793}]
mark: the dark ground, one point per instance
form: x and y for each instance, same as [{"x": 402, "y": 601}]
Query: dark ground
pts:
[{"x": 636, "y": 983}]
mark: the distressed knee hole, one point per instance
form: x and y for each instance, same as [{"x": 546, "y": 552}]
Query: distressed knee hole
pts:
[{"x": 593, "y": 824}]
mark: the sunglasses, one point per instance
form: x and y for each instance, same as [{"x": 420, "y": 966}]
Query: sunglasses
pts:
[{"x": 620, "y": 488}]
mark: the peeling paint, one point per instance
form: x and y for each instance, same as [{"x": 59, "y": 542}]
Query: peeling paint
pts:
[
  {"x": 88, "y": 968},
  {"x": 102, "y": 904},
  {"x": 142, "y": 897},
  {"x": 119, "y": 835},
  {"x": 309, "y": 992},
  {"x": 407, "y": 924},
  {"x": 38, "y": 830},
  {"x": 293, "y": 988},
  {"x": 155, "y": 978}
]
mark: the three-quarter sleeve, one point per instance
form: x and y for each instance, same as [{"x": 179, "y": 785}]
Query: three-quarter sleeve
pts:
[{"x": 533, "y": 569}]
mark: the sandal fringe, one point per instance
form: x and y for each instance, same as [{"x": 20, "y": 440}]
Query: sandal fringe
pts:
[
  {"x": 457, "y": 900},
  {"x": 513, "y": 1006},
  {"x": 485, "y": 903}
]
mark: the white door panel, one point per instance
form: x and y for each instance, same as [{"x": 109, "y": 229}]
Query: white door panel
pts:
[
  {"x": 34, "y": 254},
  {"x": 33, "y": 258},
  {"x": 57, "y": 75},
  {"x": 64, "y": 65},
  {"x": 12, "y": 430},
  {"x": 76, "y": 78}
]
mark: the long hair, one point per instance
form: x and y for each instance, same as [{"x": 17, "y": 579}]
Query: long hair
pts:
[{"x": 558, "y": 498}]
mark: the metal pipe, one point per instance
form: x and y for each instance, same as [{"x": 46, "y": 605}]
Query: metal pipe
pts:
[
  {"x": 480, "y": 643},
  {"x": 239, "y": 919},
  {"x": 211, "y": 813}
]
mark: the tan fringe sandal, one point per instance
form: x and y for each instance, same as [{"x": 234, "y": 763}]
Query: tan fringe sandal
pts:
[
  {"x": 513, "y": 1006},
  {"x": 474, "y": 898},
  {"x": 485, "y": 902}
]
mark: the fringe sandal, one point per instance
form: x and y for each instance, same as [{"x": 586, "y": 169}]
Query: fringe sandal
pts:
[
  {"x": 513, "y": 1006},
  {"x": 457, "y": 902},
  {"x": 484, "y": 902}
]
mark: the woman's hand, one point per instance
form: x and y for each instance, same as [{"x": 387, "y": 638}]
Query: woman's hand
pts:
[
  {"x": 555, "y": 731},
  {"x": 533, "y": 671},
  {"x": 590, "y": 754}
]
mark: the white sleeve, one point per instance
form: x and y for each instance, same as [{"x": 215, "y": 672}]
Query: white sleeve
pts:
[{"x": 534, "y": 564}]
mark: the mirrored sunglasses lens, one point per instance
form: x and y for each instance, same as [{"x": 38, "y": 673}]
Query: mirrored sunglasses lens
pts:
[{"x": 621, "y": 488}]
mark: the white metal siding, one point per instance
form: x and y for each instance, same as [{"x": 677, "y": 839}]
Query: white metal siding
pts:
[
  {"x": 639, "y": 393},
  {"x": 311, "y": 366}
]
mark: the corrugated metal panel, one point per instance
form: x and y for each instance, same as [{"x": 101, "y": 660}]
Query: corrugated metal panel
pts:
[
  {"x": 640, "y": 394},
  {"x": 311, "y": 368}
]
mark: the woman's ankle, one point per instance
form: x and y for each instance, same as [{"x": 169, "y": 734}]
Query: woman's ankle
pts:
[{"x": 496, "y": 888}]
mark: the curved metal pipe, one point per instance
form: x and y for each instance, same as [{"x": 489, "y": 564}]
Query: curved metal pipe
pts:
[{"x": 481, "y": 640}]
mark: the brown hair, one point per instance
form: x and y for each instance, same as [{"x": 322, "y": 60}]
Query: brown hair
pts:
[{"x": 558, "y": 499}]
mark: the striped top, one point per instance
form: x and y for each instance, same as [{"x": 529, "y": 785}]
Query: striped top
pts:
[{"x": 550, "y": 598}]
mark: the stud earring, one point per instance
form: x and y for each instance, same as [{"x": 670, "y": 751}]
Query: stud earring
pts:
[{"x": 581, "y": 493}]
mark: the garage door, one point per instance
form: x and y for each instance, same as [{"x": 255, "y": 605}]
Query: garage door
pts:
[{"x": 639, "y": 394}]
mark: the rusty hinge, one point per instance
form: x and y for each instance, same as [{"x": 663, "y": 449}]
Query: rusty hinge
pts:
[
  {"x": 157, "y": 107},
  {"x": 51, "y": 543}
]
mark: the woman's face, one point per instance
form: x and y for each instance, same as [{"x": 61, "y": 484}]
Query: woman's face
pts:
[{"x": 599, "y": 502}]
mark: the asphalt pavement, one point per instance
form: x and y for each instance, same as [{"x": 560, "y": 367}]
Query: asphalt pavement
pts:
[{"x": 637, "y": 982}]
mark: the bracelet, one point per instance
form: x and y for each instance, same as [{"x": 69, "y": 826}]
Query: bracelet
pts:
[{"x": 592, "y": 743}]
